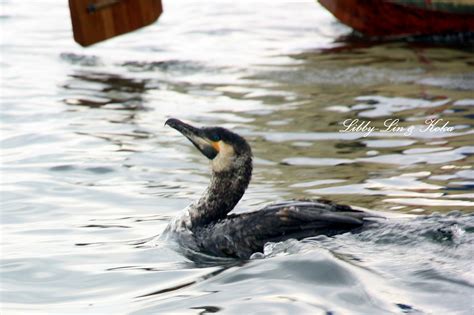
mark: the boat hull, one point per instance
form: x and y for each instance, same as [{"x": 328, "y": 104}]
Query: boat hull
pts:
[{"x": 381, "y": 18}]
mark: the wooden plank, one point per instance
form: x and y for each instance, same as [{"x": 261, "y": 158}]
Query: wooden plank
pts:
[
  {"x": 96, "y": 20},
  {"x": 382, "y": 18},
  {"x": 450, "y": 6}
]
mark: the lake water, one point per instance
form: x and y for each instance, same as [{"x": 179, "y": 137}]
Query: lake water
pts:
[{"x": 90, "y": 176}]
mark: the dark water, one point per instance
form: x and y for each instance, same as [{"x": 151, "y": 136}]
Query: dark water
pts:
[{"x": 90, "y": 176}]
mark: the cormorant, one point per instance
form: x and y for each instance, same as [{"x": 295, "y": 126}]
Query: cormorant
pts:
[{"x": 205, "y": 225}]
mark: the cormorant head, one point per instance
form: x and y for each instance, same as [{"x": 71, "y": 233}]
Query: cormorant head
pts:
[{"x": 226, "y": 150}]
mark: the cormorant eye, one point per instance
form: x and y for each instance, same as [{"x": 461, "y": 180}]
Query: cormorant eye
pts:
[{"x": 214, "y": 137}]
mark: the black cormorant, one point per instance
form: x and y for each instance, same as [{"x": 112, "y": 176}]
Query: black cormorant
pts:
[{"x": 205, "y": 225}]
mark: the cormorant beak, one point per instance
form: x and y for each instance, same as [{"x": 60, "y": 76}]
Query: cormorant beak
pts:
[{"x": 197, "y": 136}]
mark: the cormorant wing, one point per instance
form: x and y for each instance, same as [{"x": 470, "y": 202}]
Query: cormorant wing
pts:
[{"x": 240, "y": 235}]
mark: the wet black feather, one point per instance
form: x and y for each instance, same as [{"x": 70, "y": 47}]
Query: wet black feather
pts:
[{"x": 210, "y": 229}]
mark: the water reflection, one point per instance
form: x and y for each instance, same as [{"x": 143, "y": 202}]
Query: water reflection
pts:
[
  {"x": 90, "y": 175},
  {"x": 314, "y": 146},
  {"x": 109, "y": 91}
]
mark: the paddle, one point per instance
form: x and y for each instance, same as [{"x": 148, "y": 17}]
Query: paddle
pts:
[{"x": 97, "y": 20}]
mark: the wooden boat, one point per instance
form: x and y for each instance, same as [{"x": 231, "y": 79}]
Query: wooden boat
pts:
[
  {"x": 400, "y": 18},
  {"x": 96, "y": 20}
]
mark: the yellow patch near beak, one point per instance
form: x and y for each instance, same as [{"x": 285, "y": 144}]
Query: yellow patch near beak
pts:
[
  {"x": 225, "y": 157},
  {"x": 216, "y": 145}
]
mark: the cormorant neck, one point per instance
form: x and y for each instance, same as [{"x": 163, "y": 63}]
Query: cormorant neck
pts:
[{"x": 223, "y": 193}]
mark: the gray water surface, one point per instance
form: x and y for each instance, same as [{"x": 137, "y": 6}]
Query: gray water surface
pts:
[{"x": 90, "y": 176}]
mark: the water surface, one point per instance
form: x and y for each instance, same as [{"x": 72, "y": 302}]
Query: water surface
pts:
[{"x": 90, "y": 176}]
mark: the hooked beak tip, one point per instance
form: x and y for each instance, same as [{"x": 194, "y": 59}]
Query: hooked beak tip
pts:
[
  {"x": 196, "y": 136},
  {"x": 171, "y": 122}
]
